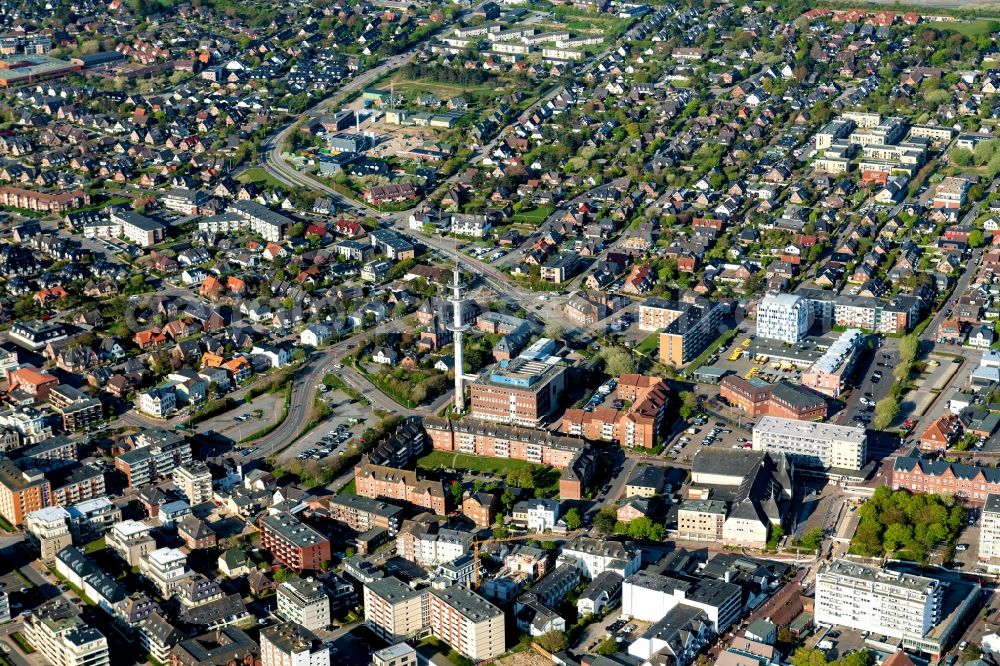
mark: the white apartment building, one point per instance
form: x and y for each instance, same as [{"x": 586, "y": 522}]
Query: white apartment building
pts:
[
  {"x": 289, "y": 644},
  {"x": 989, "y": 533},
  {"x": 881, "y": 601},
  {"x": 783, "y": 317},
  {"x": 542, "y": 514},
  {"x": 594, "y": 556},
  {"x": 393, "y": 610},
  {"x": 61, "y": 637},
  {"x": 48, "y": 531},
  {"x": 819, "y": 446},
  {"x": 132, "y": 540},
  {"x": 194, "y": 479},
  {"x": 467, "y": 622},
  {"x": 304, "y": 602},
  {"x": 166, "y": 568}
]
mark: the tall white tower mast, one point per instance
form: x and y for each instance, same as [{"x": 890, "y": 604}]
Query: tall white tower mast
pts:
[{"x": 457, "y": 328}]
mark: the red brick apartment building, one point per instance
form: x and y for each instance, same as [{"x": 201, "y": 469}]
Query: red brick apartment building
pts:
[
  {"x": 389, "y": 483},
  {"x": 968, "y": 483},
  {"x": 783, "y": 400},
  {"x": 293, "y": 543},
  {"x": 16, "y": 197},
  {"x": 492, "y": 440},
  {"x": 637, "y": 426}
]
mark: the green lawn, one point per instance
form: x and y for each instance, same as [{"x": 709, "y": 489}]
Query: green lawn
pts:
[
  {"x": 649, "y": 345},
  {"x": 94, "y": 546},
  {"x": 258, "y": 175},
  {"x": 975, "y": 28},
  {"x": 349, "y": 489},
  {"x": 498, "y": 466},
  {"x": 22, "y": 642},
  {"x": 536, "y": 216}
]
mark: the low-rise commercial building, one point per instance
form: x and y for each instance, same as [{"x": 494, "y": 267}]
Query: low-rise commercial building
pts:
[{"x": 758, "y": 398}]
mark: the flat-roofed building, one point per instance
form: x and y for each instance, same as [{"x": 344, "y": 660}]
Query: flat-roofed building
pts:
[
  {"x": 649, "y": 597},
  {"x": 289, "y": 644},
  {"x": 400, "y": 654},
  {"x": 61, "y": 637},
  {"x": 48, "y": 531},
  {"x": 816, "y": 446},
  {"x": 293, "y": 543},
  {"x": 305, "y": 602},
  {"x": 830, "y": 373},
  {"x": 701, "y": 520},
  {"x": 989, "y": 533},
  {"x": 783, "y": 317},
  {"x": 165, "y": 568},
  {"x": 394, "y": 611},
  {"x": 131, "y": 540},
  {"x": 22, "y": 492},
  {"x": 688, "y": 334},
  {"x": 194, "y": 480},
  {"x": 157, "y": 454},
  {"x": 524, "y": 391},
  {"x": 468, "y": 623},
  {"x": 922, "y": 611}
]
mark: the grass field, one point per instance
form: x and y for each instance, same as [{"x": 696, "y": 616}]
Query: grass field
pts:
[
  {"x": 258, "y": 175},
  {"x": 498, "y": 466},
  {"x": 648, "y": 346},
  {"x": 974, "y": 28},
  {"x": 534, "y": 217},
  {"x": 410, "y": 88}
]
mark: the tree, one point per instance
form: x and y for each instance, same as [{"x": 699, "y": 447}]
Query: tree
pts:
[
  {"x": 859, "y": 658},
  {"x": 886, "y": 411},
  {"x": 976, "y": 238},
  {"x": 618, "y": 362},
  {"x": 808, "y": 657},
  {"x": 605, "y": 521},
  {"x": 283, "y": 574},
  {"x": 521, "y": 478},
  {"x": 689, "y": 402},
  {"x": 812, "y": 539},
  {"x": 573, "y": 519},
  {"x": 499, "y": 529},
  {"x": 508, "y": 498},
  {"x": 554, "y": 331},
  {"x": 608, "y": 647},
  {"x": 774, "y": 535},
  {"x": 456, "y": 492},
  {"x": 552, "y": 641},
  {"x": 909, "y": 346}
]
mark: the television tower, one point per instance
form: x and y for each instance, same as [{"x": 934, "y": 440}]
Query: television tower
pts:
[{"x": 457, "y": 328}]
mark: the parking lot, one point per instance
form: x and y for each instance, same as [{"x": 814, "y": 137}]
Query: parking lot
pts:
[
  {"x": 334, "y": 435},
  {"x": 874, "y": 381},
  {"x": 246, "y": 419},
  {"x": 706, "y": 431}
]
